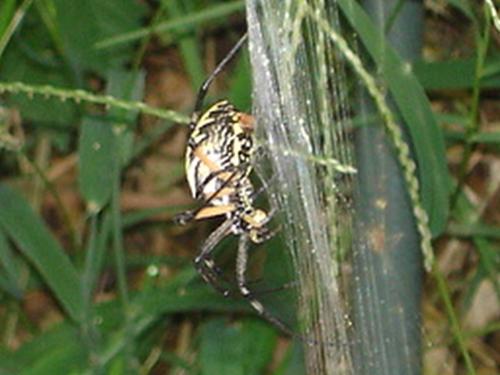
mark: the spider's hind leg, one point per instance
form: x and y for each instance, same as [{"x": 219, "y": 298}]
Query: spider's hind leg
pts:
[
  {"x": 241, "y": 267},
  {"x": 204, "y": 262},
  {"x": 184, "y": 217}
]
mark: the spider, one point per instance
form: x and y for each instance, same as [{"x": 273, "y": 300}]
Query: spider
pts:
[{"x": 218, "y": 167}]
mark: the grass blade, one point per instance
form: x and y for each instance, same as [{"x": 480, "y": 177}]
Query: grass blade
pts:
[
  {"x": 34, "y": 240},
  {"x": 217, "y": 12},
  {"x": 415, "y": 110},
  {"x": 10, "y": 281},
  {"x": 96, "y": 158}
]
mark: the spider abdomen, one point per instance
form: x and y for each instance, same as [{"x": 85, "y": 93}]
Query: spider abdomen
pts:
[{"x": 220, "y": 143}]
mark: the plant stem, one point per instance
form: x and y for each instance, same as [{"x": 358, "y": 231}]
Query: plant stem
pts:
[
  {"x": 455, "y": 325},
  {"x": 473, "y": 125},
  {"x": 85, "y": 96},
  {"x": 14, "y": 22}
]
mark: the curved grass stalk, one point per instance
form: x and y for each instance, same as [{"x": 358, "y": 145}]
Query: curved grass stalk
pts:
[
  {"x": 395, "y": 134},
  {"x": 494, "y": 14},
  {"x": 79, "y": 96}
]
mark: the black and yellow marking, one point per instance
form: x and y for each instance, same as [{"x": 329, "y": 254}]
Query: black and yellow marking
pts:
[{"x": 218, "y": 167}]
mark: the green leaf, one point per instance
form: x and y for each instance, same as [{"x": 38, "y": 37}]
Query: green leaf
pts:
[
  {"x": 214, "y": 14},
  {"x": 8, "y": 364},
  {"x": 178, "y": 298},
  {"x": 188, "y": 42},
  {"x": 470, "y": 227},
  {"x": 117, "y": 366},
  {"x": 9, "y": 286},
  {"x": 30, "y": 58},
  {"x": 82, "y": 23},
  {"x": 6, "y": 11},
  {"x": 62, "y": 359},
  {"x": 490, "y": 261},
  {"x": 416, "y": 112},
  {"x": 487, "y": 137},
  {"x": 129, "y": 86},
  {"x": 33, "y": 239},
  {"x": 463, "y": 6},
  {"x": 7, "y": 259},
  {"x": 97, "y": 155},
  {"x": 293, "y": 363},
  {"x": 456, "y": 74},
  {"x": 245, "y": 348},
  {"x": 241, "y": 84},
  {"x": 30, "y": 352}
]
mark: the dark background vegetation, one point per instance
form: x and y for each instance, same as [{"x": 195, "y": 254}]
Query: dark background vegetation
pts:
[{"x": 94, "y": 276}]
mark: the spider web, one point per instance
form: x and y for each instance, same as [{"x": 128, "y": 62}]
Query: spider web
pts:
[
  {"x": 298, "y": 96},
  {"x": 350, "y": 300}
]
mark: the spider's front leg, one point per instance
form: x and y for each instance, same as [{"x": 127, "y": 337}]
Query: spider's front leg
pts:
[{"x": 265, "y": 234}]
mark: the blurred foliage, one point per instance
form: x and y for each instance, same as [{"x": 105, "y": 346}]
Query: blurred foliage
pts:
[{"x": 94, "y": 278}]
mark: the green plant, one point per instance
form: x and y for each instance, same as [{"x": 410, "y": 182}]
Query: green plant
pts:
[{"x": 94, "y": 278}]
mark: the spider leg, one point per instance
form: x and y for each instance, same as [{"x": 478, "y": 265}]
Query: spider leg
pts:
[
  {"x": 288, "y": 285},
  {"x": 267, "y": 234},
  {"x": 185, "y": 217},
  {"x": 227, "y": 175},
  {"x": 265, "y": 187},
  {"x": 204, "y": 87},
  {"x": 235, "y": 292},
  {"x": 259, "y": 191},
  {"x": 204, "y": 262},
  {"x": 241, "y": 268},
  {"x": 216, "y": 171}
]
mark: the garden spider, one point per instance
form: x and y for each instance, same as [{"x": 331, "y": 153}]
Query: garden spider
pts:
[{"x": 218, "y": 165}]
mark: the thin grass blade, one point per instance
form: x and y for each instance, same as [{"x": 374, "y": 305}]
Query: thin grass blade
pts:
[{"x": 33, "y": 239}]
